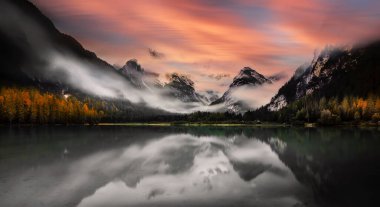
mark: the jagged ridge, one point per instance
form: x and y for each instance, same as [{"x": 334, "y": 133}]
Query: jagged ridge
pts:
[{"x": 246, "y": 77}]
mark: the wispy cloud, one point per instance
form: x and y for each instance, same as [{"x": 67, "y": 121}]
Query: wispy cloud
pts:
[
  {"x": 216, "y": 76},
  {"x": 214, "y": 37},
  {"x": 155, "y": 54},
  {"x": 258, "y": 96},
  {"x": 67, "y": 67}
]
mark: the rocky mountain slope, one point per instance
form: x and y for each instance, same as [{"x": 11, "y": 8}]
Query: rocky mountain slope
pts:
[
  {"x": 139, "y": 77},
  {"x": 25, "y": 36},
  {"x": 209, "y": 96},
  {"x": 335, "y": 72},
  {"x": 182, "y": 88},
  {"x": 247, "y": 77}
]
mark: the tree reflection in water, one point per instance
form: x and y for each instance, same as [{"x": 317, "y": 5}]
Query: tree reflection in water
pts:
[{"x": 200, "y": 166}]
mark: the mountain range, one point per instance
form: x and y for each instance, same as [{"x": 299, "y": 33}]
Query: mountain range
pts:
[{"x": 34, "y": 53}]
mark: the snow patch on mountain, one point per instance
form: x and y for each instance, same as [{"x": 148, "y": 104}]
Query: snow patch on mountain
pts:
[
  {"x": 277, "y": 103},
  {"x": 182, "y": 88},
  {"x": 209, "y": 96},
  {"x": 242, "y": 93}
]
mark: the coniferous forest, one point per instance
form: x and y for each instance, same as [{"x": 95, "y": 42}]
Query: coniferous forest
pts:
[
  {"x": 327, "y": 111},
  {"x": 31, "y": 106}
]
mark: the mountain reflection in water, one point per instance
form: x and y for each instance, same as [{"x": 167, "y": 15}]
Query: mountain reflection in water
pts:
[{"x": 200, "y": 166}]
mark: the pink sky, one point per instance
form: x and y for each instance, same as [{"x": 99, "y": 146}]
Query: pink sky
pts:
[{"x": 205, "y": 39}]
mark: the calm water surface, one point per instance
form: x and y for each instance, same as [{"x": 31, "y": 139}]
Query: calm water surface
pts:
[{"x": 178, "y": 166}]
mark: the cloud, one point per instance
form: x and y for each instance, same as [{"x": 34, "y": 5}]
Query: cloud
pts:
[
  {"x": 267, "y": 33},
  {"x": 319, "y": 22},
  {"x": 65, "y": 67},
  {"x": 218, "y": 76},
  {"x": 100, "y": 82},
  {"x": 155, "y": 54},
  {"x": 214, "y": 36},
  {"x": 257, "y": 96},
  {"x": 278, "y": 76}
]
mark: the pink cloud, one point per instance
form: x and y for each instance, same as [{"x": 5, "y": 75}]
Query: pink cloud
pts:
[{"x": 219, "y": 37}]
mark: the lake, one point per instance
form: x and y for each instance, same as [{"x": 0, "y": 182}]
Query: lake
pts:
[{"x": 188, "y": 166}]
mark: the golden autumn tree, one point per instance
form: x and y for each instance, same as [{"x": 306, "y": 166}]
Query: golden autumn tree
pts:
[{"x": 32, "y": 106}]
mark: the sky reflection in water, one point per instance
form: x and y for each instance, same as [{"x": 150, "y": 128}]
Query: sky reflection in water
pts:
[
  {"x": 142, "y": 166},
  {"x": 195, "y": 170}
]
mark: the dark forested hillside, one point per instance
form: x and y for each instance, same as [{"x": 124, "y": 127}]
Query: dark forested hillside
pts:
[
  {"x": 24, "y": 42},
  {"x": 340, "y": 85},
  {"x": 336, "y": 72}
]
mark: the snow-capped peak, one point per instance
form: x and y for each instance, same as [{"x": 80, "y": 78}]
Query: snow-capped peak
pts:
[{"x": 248, "y": 76}]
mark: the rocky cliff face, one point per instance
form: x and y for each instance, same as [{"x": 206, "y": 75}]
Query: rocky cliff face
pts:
[
  {"x": 139, "y": 77},
  {"x": 181, "y": 87}
]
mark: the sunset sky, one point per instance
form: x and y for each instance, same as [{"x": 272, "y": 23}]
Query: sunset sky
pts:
[{"x": 212, "y": 40}]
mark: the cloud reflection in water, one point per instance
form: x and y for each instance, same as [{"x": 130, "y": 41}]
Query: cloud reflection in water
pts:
[{"x": 193, "y": 171}]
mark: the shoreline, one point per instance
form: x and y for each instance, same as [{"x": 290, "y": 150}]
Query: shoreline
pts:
[
  {"x": 191, "y": 124},
  {"x": 200, "y": 124},
  {"x": 194, "y": 124}
]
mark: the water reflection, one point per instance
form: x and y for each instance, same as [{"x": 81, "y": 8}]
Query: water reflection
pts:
[
  {"x": 194, "y": 170},
  {"x": 134, "y": 166}
]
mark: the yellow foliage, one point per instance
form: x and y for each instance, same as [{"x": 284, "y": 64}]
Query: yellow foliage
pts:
[{"x": 32, "y": 106}]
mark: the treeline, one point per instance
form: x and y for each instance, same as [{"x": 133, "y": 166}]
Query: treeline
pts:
[
  {"x": 214, "y": 117},
  {"x": 34, "y": 107},
  {"x": 326, "y": 111},
  {"x": 31, "y": 106}
]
